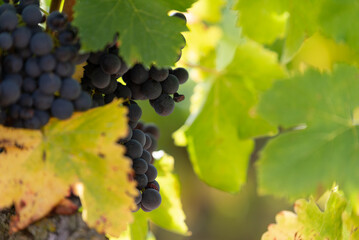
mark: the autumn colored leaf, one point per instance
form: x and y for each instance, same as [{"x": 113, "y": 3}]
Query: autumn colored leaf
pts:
[{"x": 37, "y": 169}]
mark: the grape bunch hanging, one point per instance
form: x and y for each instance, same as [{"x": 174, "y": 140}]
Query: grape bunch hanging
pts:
[{"x": 36, "y": 69}]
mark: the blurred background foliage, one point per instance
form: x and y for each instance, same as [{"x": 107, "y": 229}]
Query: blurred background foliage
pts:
[{"x": 215, "y": 33}]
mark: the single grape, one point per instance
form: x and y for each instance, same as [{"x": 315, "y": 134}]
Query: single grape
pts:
[
  {"x": 83, "y": 102},
  {"x": 154, "y": 143},
  {"x": 141, "y": 180},
  {"x": 139, "y": 136},
  {"x": 31, "y": 15},
  {"x": 136, "y": 91},
  {"x": 41, "y": 43},
  {"x": 181, "y": 74},
  {"x": 99, "y": 78},
  {"x": 21, "y": 37},
  {"x": 158, "y": 75},
  {"x": 138, "y": 74},
  {"x": 65, "y": 69},
  {"x": 151, "y": 199},
  {"x": 49, "y": 83},
  {"x": 14, "y": 77},
  {"x": 70, "y": 89},
  {"x": 164, "y": 105},
  {"x": 67, "y": 37},
  {"x": 42, "y": 101},
  {"x": 56, "y": 21},
  {"x": 123, "y": 91},
  {"x": 8, "y": 21},
  {"x": 32, "y": 68},
  {"x": 170, "y": 85},
  {"x": 151, "y": 89},
  {"x": 6, "y": 41},
  {"x": 151, "y": 173},
  {"x": 47, "y": 63},
  {"x": 110, "y": 63},
  {"x": 62, "y": 109},
  {"x": 133, "y": 149},
  {"x": 140, "y": 166},
  {"x": 111, "y": 88},
  {"x": 10, "y": 93},
  {"x": 146, "y": 155},
  {"x": 95, "y": 57},
  {"x": 7, "y": 7}
]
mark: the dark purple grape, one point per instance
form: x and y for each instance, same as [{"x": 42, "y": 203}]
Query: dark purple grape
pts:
[
  {"x": 65, "y": 69},
  {"x": 41, "y": 43},
  {"x": 138, "y": 74},
  {"x": 141, "y": 180},
  {"x": 100, "y": 79},
  {"x": 32, "y": 68},
  {"x": 158, "y": 75},
  {"x": 133, "y": 149},
  {"x": 6, "y": 41},
  {"x": 12, "y": 63},
  {"x": 31, "y": 15},
  {"x": 148, "y": 142},
  {"x": 110, "y": 63},
  {"x": 42, "y": 101},
  {"x": 164, "y": 105},
  {"x": 140, "y": 166},
  {"x": 151, "y": 199},
  {"x": 83, "y": 102},
  {"x": 152, "y": 129},
  {"x": 123, "y": 91},
  {"x": 49, "y": 83},
  {"x": 21, "y": 37},
  {"x": 43, "y": 117},
  {"x": 47, "y": 63},
  {"x": 29, "y": 85},
  {"x": 10, "y": 93},
  {"x": 170, "y": 85},
  {"x": 151, "y": 173},
  {"x": 146, "y": 156},
  {"x": 62, "y": 109},
  {"x": 56, "y": 21},
  {"x": 70, "y": 89},
  {"x": 151, "y": 89},
  {"x": 139, "y": 136},
  {"x": 8, "y": 21},
  {"x": 181, "y": 74},
  {"x": 65, "y": 53}
]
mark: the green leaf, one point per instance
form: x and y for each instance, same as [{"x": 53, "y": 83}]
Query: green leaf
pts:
[
  {"x": 36, "y": 172},
  {"x": 262, "y": 20},
  {"x": 325, "y": 148},
  {"x": 218, "y": 133},
  {"x": 169, "y": 215},
  {"x": 147, "y": 33},
  {"x": 137, "y": 230},
  {"x": 310, "y": 221}
]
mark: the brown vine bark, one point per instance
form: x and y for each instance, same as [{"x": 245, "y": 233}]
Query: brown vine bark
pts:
[
  {"x": 53, "y": 227},
  {"x": 55, "y": 5},
  {"x": 68, "y": 9}
]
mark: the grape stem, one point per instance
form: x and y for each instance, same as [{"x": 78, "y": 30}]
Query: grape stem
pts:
[
  {"x": 68, "y": 5},
  {"x": 55, "y": 5}
]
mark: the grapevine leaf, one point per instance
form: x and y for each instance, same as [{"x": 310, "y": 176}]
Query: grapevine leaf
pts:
[
  {"x": 147, "y": 33},
  {"x": 268, "y": 17},
  {"x": 325, "y": 148},
  {"x": 169, "y": 215},
  {"x": 228, "y": 117},
  {"x": 311, "y": 221},
  {"x": 79, "y": 152},
  {"x": 137, "y": 230}
]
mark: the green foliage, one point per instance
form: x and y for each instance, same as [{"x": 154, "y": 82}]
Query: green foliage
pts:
[
  {"x": 147, "y": 34},
  {"x": 328, "y": 218},
  {"x": 228, "y": 118},
  {"x": 304, "y": 18},
  {"x": 296, "y": 162}
]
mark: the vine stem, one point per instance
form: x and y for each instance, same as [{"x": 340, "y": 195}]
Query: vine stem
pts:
[
  {"x": 55, "y": 5},
  {"x": 68, "y": 9}
]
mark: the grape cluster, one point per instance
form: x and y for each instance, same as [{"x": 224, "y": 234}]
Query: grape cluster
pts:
[
  {"x": 36, "y": 66},
  {"x": 140, "y": 142}
]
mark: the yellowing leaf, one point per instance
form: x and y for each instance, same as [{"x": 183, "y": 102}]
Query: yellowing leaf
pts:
[{"x": 81, "y": 152}]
